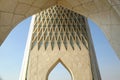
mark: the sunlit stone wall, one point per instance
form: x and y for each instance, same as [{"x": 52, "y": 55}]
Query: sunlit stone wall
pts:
[{"x": 59, "y": 35}]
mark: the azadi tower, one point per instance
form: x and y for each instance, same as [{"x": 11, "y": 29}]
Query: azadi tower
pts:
[
  {"x": 59, "y": 35},
  {"x": 105, "y": 13}
]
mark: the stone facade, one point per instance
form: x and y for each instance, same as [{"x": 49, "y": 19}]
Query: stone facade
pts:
[
  {"x": 105, "y": 13},
  {"x": 59, "y": 35}
]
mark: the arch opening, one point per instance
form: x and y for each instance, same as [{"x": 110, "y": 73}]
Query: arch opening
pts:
[{"x": 59, "y": 72}]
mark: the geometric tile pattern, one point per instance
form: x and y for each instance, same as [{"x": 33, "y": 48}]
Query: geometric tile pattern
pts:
[{"x": 57, "y": 25}]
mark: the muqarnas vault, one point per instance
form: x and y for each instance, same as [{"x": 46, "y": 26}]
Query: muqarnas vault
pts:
[{"x": 61, "y": 35}]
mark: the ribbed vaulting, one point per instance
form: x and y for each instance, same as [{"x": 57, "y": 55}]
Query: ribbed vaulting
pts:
[{"x": 58, "y": 25}]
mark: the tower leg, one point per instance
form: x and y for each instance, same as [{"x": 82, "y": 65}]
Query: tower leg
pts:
[{"x": 93, "y": 60}]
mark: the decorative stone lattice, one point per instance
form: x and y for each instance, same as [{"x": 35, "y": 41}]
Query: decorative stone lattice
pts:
[{"x": 58, "y": 25}]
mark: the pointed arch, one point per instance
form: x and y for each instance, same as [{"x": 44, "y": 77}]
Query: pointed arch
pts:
[{"x": 53, "y": 66}]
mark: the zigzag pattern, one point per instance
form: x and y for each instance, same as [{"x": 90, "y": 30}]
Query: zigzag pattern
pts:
[{"x": 58, "y": 25}]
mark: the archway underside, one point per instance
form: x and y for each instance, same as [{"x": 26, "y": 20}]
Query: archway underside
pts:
[{"x": 105, "y": 13}]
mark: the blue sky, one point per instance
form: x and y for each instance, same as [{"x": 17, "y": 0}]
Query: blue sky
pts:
[
  {"x": 12, "y": 50},
  {"x": 61, "y": 71}
]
